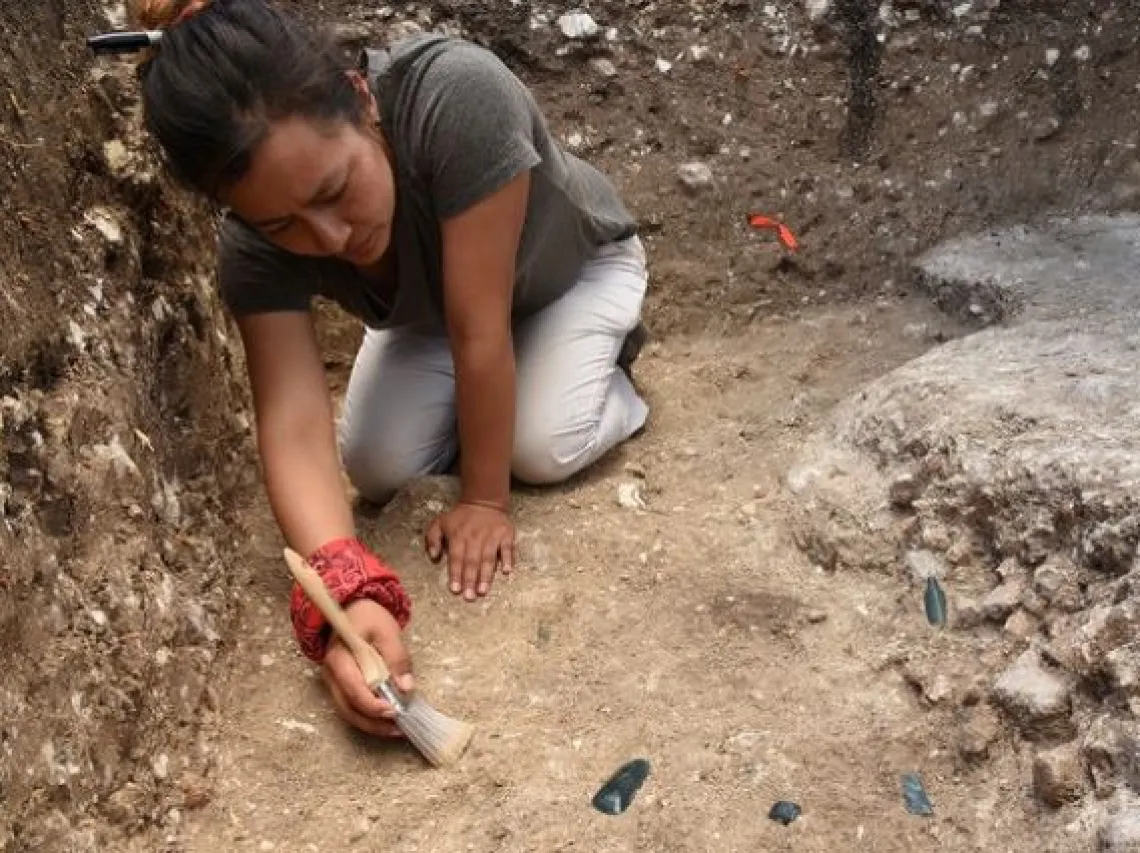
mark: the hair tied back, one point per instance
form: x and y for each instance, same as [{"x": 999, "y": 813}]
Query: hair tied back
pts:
[{"x": 165, "y": 14}]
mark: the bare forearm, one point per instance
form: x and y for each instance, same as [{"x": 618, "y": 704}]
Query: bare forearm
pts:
[
  {"x": 485, "y": 392},
  {"x": 302, "y": 478}
]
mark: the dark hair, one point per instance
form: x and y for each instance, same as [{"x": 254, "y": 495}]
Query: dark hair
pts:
[{"x": 222, "y": 73}]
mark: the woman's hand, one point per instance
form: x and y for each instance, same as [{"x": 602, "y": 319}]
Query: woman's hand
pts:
[
  {"x": 355, "y": 703},
  {"x": 477, "y": 539}
]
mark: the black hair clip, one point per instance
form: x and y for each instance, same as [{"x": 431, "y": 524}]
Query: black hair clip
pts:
[{"x": 124, "y": 42}]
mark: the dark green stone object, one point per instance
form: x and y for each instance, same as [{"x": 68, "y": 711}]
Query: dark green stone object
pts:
[
  {"x": 935, "y": 600},
  {"x": 784, "y": 812},
  {"x": 617, "y": 794},
  {"x": 914, "y": 796}
]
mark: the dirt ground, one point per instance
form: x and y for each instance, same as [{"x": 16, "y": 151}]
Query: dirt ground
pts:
[{"x": 690, "y": 632}]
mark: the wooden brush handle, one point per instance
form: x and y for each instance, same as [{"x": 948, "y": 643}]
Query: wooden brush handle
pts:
[{"x": 372, "y": 666}]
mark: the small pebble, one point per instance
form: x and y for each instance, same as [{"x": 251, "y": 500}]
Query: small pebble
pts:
[
  {"x": 617, "y": 794},
  {"x": 360, "y": 828},
  {"x": 603, "y": 67},
  {"x": 695, "y": 177},
  {"x": 914, "y": 796},
  {"x": 784, "y": 812},
  {"x": 578, "y": 25}
]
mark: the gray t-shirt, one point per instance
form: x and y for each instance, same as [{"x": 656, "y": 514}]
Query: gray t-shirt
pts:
[{"x": 461, "y": 126}]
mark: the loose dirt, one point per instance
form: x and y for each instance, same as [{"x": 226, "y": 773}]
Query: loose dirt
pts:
[
  {"x": 154, "y": 698},
  {"x": 690, "y": 632}
]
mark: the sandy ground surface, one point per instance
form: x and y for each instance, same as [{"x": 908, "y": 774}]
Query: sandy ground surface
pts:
[{"x": 690, "y": 633}]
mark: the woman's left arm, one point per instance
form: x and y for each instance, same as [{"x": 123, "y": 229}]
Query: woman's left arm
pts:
[{"x": 479, "y": 248}]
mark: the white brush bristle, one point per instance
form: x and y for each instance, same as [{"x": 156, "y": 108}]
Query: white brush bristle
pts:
[{"x": 439, "y": 738}]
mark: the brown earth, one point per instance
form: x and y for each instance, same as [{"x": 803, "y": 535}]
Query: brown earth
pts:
[{"x": 153, "y": 698}]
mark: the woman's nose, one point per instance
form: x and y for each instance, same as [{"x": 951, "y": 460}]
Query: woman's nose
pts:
[{"x": 330, "y": 233}]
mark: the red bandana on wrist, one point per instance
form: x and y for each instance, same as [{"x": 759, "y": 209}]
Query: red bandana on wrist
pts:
[{"x": 351, "y": 572}]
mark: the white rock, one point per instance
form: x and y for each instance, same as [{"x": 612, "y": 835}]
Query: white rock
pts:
[
  {"x": 1037, "y": 699},
  {"x": 76, "y": 336},
  {"x": 1120, "y": 833},
  {"x": 117, "y": 15},
  {"x": 603, "y": 66},
  {"x": 1051, "y": 56},
  {"x": 114, "y": 455},
  {"x": 663, "y": 65},
  {"x": 297, "y": 726},
  {"x": 924, "y": 564},
  {"x": 104, "y": 221},
  {"x": 117, "y": 156},
  {"x": 963, "y": 9},
  {"x": 160, "y": 766},
  {"x": 817, "y": 10},
  {"x": 695, "y": 177},
  {"x": 1082, "y": 53},
  {"x": 1002, "y": 601},
  {"x": 361, "y": 827},
  {"x": 699, "y": 53},
  {"x": 578, "y": 25},
  {"x": 629, "y": 496}
]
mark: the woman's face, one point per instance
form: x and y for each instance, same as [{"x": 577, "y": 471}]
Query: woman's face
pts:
[{"x": 319, "y": 190}]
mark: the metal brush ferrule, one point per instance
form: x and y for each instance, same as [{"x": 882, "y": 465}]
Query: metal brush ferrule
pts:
[
  {"x": 390, "y": 693},
  {"x": 124, "y": 42}
]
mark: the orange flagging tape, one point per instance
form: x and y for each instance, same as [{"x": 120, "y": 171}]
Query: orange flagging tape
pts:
[{"x": 783, "y": 232}]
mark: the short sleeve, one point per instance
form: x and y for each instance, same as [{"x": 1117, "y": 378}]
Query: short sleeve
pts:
[
  {"x": 254, "y": 277},
  {"x": 474, "y": 123}
]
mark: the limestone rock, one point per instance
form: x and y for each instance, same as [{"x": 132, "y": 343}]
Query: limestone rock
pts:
[
  {"x": 578, "y": 25},
  {"x": 968, "y": 613},
  {"x": 923, "y": 564},
  {"x": 695, "y": 177},
  {"x": 978, "y": 733},
  {"x": 1101, "y": 645},
  {"x": 1120, "y": 832},
  {"x": 1003, "y": 600},
  {"x": 817, "y": 10},
  {"x": 1021, "y": 625},
  {"x": 1067, "y": 268},
  {"x": 1111, "y": 749},
  {"x": 1038, "y": 700},
  {"x": 1056, "y": 582},
  {"x": 1058, "y": 776},
  {"x": 905, "y": 490}
]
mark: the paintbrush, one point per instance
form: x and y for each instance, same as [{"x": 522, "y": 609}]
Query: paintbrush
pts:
[{"x": 439, "y": 738}]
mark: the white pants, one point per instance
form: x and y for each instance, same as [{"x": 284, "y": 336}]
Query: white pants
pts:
[{"x": 573, "y": 404}]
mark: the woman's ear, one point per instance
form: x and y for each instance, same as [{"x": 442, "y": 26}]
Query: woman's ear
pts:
[{"x": 364, "y": 92}]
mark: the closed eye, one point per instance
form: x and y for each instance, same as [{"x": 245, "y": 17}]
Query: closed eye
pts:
[{"x": 334, "y": 196}]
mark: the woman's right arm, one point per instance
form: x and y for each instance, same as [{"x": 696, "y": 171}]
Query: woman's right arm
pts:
[
  {"x": 296, "y": 435},
  {"x": 296, "y": 440}
]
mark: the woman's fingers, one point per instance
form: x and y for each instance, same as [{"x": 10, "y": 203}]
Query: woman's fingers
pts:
[
  {"x": 370, "y": 725},
  {"x": 492, "y": 546},
  {"x": 507, "y": 552},
  {"x": 433, "y": 539},
  {"x": 344, "y": 673}
]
